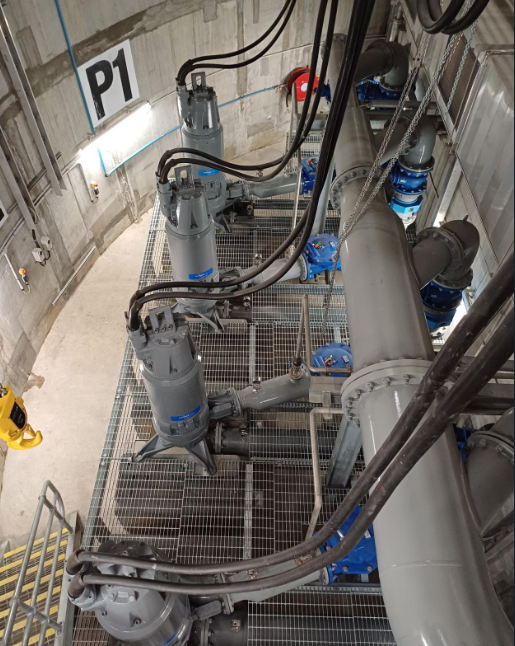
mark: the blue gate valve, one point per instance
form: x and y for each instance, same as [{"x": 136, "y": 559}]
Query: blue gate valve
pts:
[
  {"x": 361, "y": 560},
  {"x": 318, "y": 256},
  {"x": 333, "y": 355}
]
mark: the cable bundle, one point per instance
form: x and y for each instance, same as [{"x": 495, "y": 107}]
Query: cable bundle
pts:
[{"x": 434, "y": 21}]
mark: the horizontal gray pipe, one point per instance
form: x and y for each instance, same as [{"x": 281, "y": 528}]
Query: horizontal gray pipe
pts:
[
  {"x": 275, "y": 267},
  {"x": 280, "y": 185},
  {"x": 422, "y": 152},
  {"x": 274, "y": 392},
  {"x": 323, "y": 203},
  {"x": 395, "y": 140}
]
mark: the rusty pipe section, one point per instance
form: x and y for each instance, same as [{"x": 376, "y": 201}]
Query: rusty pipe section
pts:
[{"x": 433, "y": 572}]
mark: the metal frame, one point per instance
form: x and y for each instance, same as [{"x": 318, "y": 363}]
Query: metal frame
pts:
[
  {"x": 23, "y": 90},
  {"x": 317, "y": 479},
  {"x": 56, "y": 511},
  {"x": 19, "y": 189}
]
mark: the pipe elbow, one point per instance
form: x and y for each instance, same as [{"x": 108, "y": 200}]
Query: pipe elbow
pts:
[
  {"x": 396, "y": 77},
  {"x": 468, "y": 236},
  {"x": 420, "y": 154},
  {"x": 446, "y": 254},
  {"x": 390, "y": 60}
]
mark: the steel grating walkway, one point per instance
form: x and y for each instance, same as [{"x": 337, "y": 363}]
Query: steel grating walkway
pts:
[{"x": 252, "y": 506}]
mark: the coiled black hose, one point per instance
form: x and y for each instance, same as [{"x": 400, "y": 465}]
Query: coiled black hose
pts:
[{"x": 434, "y": 21}]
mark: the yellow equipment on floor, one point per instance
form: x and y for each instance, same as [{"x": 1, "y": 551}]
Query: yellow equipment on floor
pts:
[{"x": 13, "y": 422}]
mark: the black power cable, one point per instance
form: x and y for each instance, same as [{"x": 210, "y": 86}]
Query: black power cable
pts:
[
  {"x": 434, "y": 21},
  {"x": 303, "y": 128},
  {"x": 482, "y": 311},
  {"x": 192, "y": 64},
  {"x": 344, "y": 87}
]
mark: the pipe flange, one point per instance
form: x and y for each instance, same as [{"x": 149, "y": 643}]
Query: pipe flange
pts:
[
  {"x": 387, "y": 374},
  {"x": 450, "y": 240},
  {"x": 485, "y": 440},
  {"x": 458, "y": 284},
  {"x": 359, "y": 172},
  {"x": 417, "y": 169}
]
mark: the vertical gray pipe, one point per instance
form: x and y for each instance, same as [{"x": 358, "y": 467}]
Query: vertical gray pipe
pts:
[
  {"x": 323, "y": 203},
  {"x": 433, "y": 573}
]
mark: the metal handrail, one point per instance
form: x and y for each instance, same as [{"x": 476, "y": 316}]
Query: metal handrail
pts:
[{"x": 56, "y": 510}]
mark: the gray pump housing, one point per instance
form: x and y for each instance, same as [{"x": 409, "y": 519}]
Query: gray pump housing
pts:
[
  {"x": 202, "y": 130},
  {"x": 135, "y": 616},
  {"x": 190, "y": 232},
  {"x": 171, "y": 368}
]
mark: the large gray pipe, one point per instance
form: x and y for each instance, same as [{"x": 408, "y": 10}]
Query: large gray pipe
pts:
[
  {"x": 490, "y": 472},
  {"x": 323, "y": 204},
  {"x": 275, "y": 267},
  {"x": 434, "y": 576}
]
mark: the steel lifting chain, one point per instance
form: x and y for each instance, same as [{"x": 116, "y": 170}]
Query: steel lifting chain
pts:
[
  {"x": 355, "y": 215},
  {"x": 462, "y": 65}
]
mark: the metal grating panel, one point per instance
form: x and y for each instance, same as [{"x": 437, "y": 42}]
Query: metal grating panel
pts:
[
  {"x": 321, "y": 616},
  {"x": 252, "y": 506}
]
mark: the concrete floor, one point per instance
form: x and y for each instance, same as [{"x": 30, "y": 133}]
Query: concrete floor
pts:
[{"x": 75, "y": 377}]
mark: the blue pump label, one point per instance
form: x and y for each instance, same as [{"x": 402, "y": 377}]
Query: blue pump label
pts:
[
  {"x": 182, "y": 418},
  {"x": 208, "y": 172},
  {"x": 169, "y": 641},
  {"x": 204, "y": 274}
]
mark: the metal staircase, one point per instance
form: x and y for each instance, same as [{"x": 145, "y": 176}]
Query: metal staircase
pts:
[{"x": 34, "y": 608}]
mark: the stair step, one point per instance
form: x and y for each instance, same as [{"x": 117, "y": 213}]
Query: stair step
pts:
[
  {"x": 31, "y": 570},
  {"x": 20, "y": 625},
  {"x": 39, "y": 598},
  {"x": 34, "y": 555},
  {"x": 39, "y": 541},
  {"x": 30, "y": 585},
  {"x": 35, "y": 639}
]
